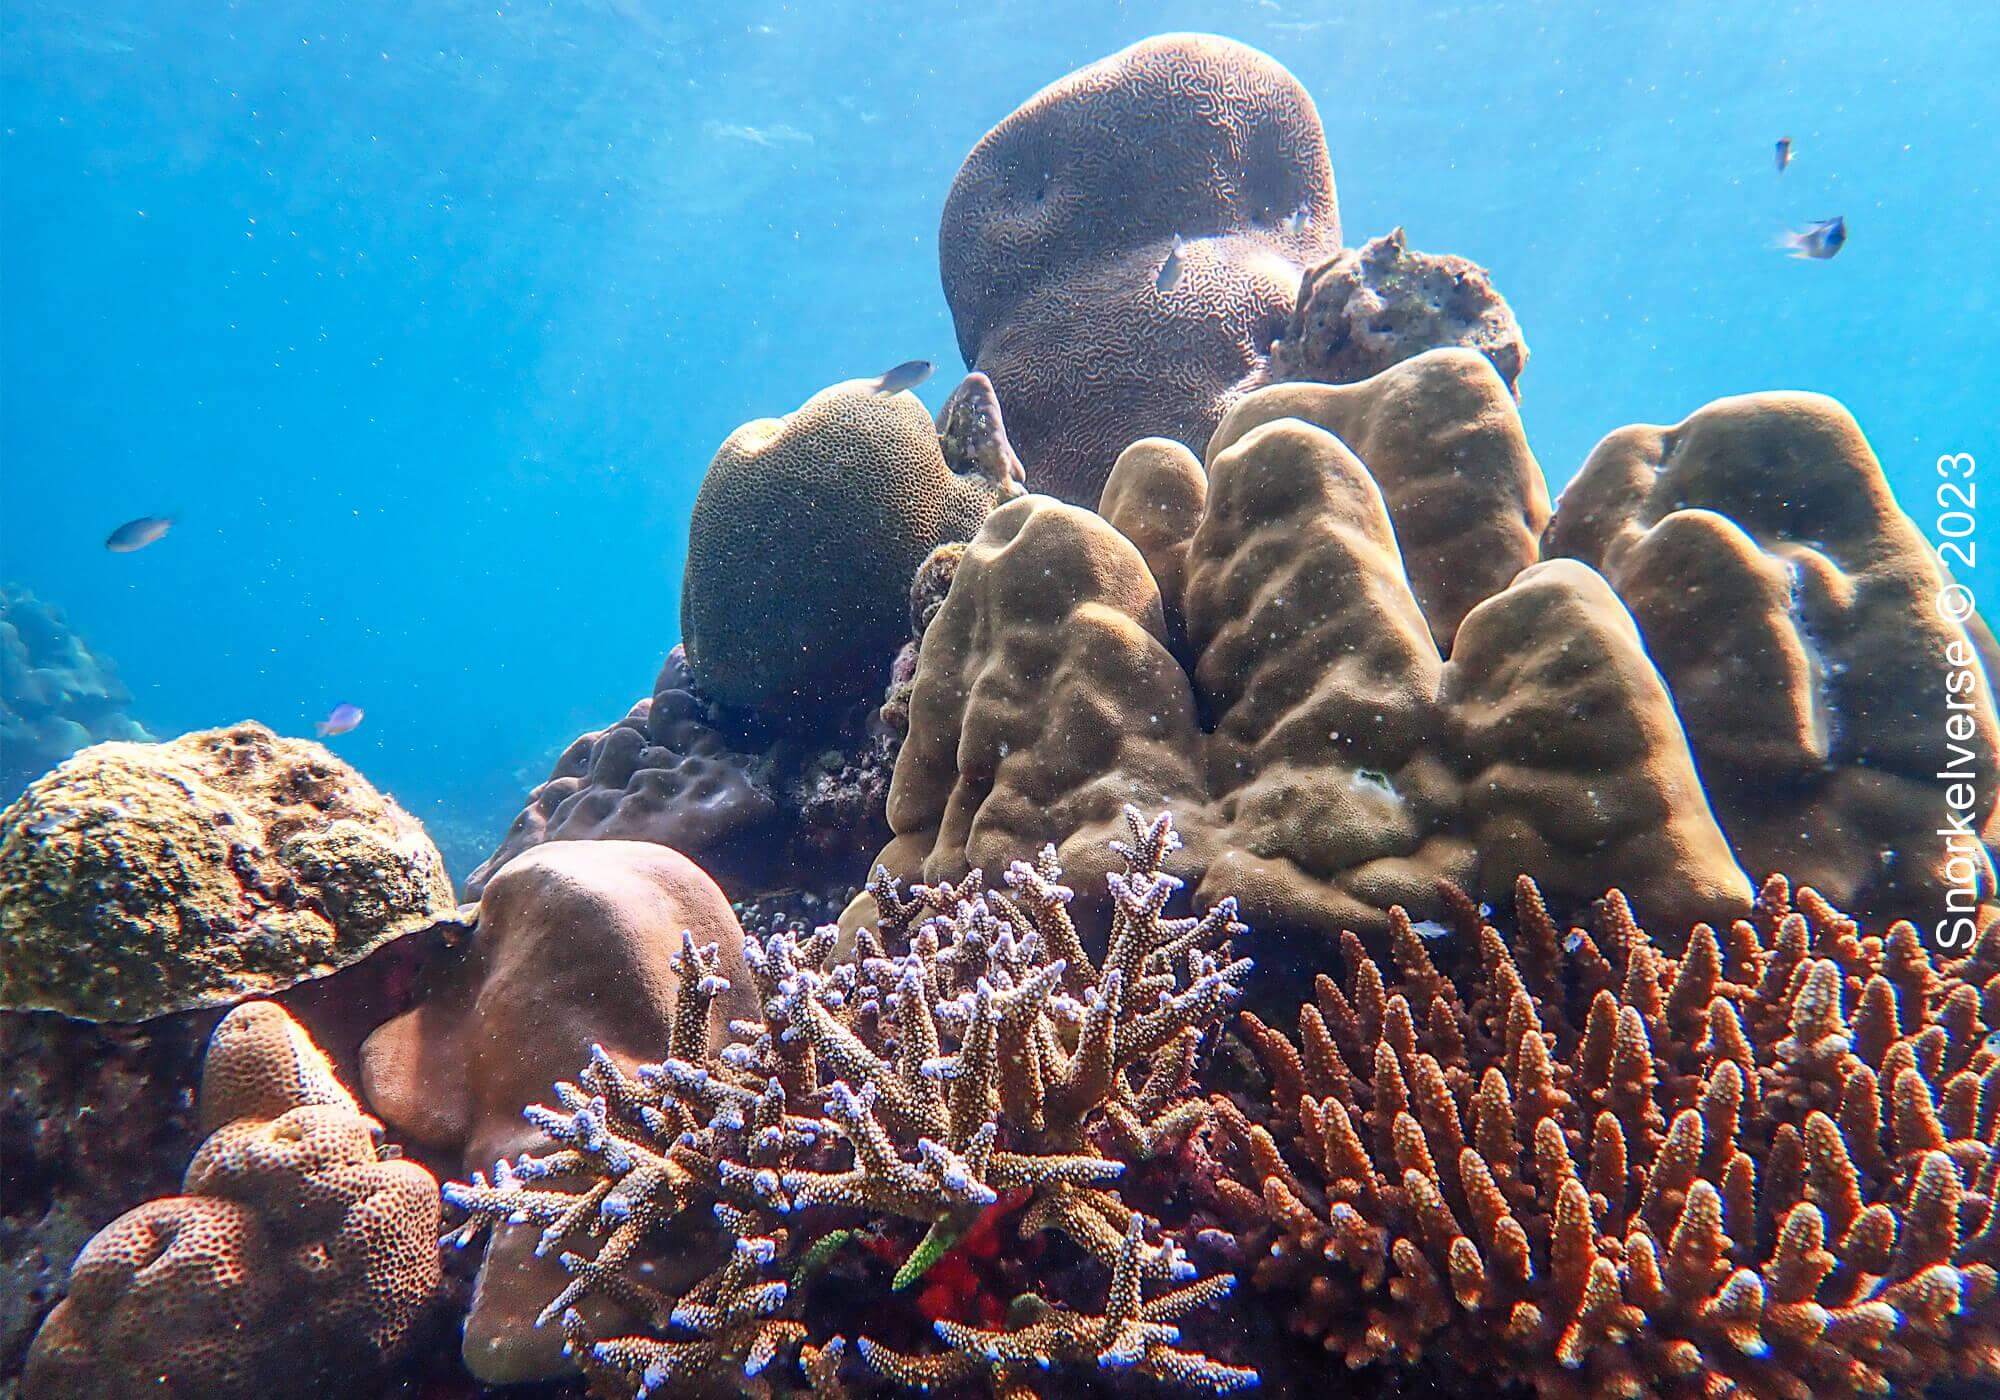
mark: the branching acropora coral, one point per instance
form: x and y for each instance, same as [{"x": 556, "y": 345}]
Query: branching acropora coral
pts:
[
  {"x": 1764, "y": 1167},
  {"x": 987, "y": 1055}
]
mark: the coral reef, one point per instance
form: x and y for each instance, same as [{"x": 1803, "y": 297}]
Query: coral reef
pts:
[
  {"x": 1323, "y": 758},
  {"x": 1367, "y": 308},
  {"x": 1062, "y": 218},
  {"x": 56, "y": 695},
  {"x": 1792, "y": 607},
  {"x": 139, "y": 879},
  {"x": 1762, "y": 1167},
  {"x": 806, "y": 532},
  {"x": 965, "y": 1056},
  {"x": 575, "y": 947},
  {"x": 298, "y": 1260}
]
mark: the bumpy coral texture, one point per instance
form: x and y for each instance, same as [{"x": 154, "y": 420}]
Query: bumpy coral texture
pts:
[
  {"x": 574, "y": 947},
  {"x": 1793, "y": 608},
  {"x": 966, "y": 1062},
  {"x": 1367, "y": 308},
  {"x": 1058, "y": 224},
  {"x": 297, "y": 1261},
  {"x": 139, "y": 879},
  {"x": 805, "y": 533},
  {"x": 1326, "y": 761},
  {"x": 1763, "y": 1167},
  {"x": 56, "y": 695}
]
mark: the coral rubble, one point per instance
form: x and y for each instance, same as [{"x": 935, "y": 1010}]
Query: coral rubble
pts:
[
  {"x": 140, "y": 879},
  {"x": 1367, "y": 308},
  {"x": 56, "y": 695},
  {"x": 1764, "y": 1166},
  {"x": 1059, "y": 223},
  {"x": 297, "y": 1260},
  {"x": 965, "y": 1055}
]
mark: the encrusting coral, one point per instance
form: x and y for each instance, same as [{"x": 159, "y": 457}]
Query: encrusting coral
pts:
[
  {"x": 298, "y": 1260},
  {"x": 1762, "y": 1167},
  {"x": 141, "y": 879},
  {"x": 965, "y": 1056}
]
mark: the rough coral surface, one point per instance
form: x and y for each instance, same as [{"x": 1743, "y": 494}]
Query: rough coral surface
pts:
[
  {"x": 296, "y": 1261},
  {"x": 575, "y": 946},
  {"x": 1762, "y": 1166},
  {"x": 966, "y": 1057},
  {"x": 1060, "y": 220},
  {"x": 1367, "y": 308},
  {"x": 1325, "y": 759},
  {"x": 805, "y": 534},
  {"x": 139, "y": 879},
  {"x": 56, "y": 695},
  {"x": 1793, "y": 608}
]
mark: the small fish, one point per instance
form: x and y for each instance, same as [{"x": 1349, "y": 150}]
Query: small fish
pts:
[
  {"x": 342, "y": 719},
  {"x": 1170, "y": 270},
  {"x": 1784, "y": 153},
  {"x": 1574, "y": 941},
  {"x": 1992, "y": 1041},
  {"x": 135, "y": 535},
  {"x": 1298, "y": 221},
  {"x": 907, "y": 375},
  {"x": 47, "y": 824},
  {"x": 1429, "y": 928},
  {"x": 1820, "y": 240}
]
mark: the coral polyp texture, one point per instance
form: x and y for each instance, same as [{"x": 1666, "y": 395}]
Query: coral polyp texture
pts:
[
  {"x": 1793, "y": 608},
  {"x": 804, "y": 537},
  {"x": 963, "y": 1062},
  {"x": 56, "y": 695},
  {"x": 1367, "y": 308},
  {"x": 140, "y": 879},
  {"x": 1291, "y": 701},
  {"x": 1763, "y": 1165},
  {"x": 1061, "y": 221},
  {"x": 297, "y": 1260}
]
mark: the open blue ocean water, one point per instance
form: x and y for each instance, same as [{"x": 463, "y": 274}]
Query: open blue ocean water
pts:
[{"x": 423, "y": 321}]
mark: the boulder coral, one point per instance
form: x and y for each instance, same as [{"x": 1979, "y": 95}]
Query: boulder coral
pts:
[
  {"x": 297, "y": 1260},
  {"x": 575, "y": 947},
  {"x": 1763, "y": 1165},
  {"x": 142, "y": 879},
  {"x": 1326, "y": 760},
  {"x": 804, "y": 537},
  {"x": 1793, "y": 608},
  {"x": 1060, "y": 220},
  {"x": 56, "y": 695}
]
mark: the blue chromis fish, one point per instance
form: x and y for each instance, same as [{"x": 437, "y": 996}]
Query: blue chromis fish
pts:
[
  {"x": 1574, "y": 941},
  {"x": 1298, "y": 221},
  {"x": 1170, "y": 270},
  {"x": 1784, "y": 150},
  {"x": 1819, "y": 240},
  {"x": 341, "y": 719},
  {"x": 1429, "y": 929},
  {"x": 907, "y": 375},
  {"x": 135, "y": 535}
]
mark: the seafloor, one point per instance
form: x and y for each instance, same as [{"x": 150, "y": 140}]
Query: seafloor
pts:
[{"x": 1184, "y": 873}]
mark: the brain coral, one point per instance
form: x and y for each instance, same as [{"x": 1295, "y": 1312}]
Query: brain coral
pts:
[
  {"x": 139, "y": 879},
  {"x": 574, "y": 948},
  {"x": 55, "y": 696},
  {"x": 1326, "y": 760},
  {"x": 296, "y": 1262},
  {"x": 1792, "y": 607},
  {"x": 805, "y": 534},
  {"x": 1060, "y": 220}
]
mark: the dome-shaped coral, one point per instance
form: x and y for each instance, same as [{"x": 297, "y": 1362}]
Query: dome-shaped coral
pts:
[
  {"x": 56, "y": 696},
  {"x": 139, "y": 879}
]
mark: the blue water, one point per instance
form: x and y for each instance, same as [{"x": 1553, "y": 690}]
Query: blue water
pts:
[{"x": 425, "y": 319}]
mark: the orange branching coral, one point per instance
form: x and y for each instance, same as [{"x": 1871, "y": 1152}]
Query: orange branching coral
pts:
[{"x": 1764, "y": 1167}]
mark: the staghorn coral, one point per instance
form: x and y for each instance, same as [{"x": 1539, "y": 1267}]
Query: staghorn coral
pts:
[
  {"x": 1061, "y": 217},
  {"x": 1290, "y": 700},
  {"x": 141, "y": 879},
  {"x": 1792, "y": 607},
  {"x": 56, "y": 696},
  {"x": 1367, "y": 308},
  {"x": 297, "y": 1259},
  {"x": 1763, "y": 1167},
  {"x": 805, "y": 534},
  {"x": 964, "y": 1051}
]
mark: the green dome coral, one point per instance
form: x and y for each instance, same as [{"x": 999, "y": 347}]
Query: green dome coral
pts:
[
  {"x": 806, "y": 533},
  {"x": 141, "y": 879}
]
